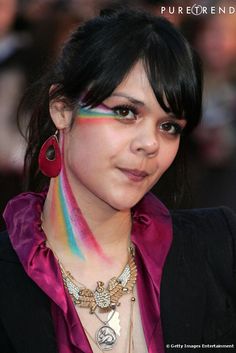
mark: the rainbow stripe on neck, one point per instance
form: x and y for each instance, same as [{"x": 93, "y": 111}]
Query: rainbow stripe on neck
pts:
[{"x": 68, "y": 219}]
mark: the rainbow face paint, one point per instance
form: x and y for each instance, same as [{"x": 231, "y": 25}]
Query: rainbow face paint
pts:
[
  {"x": 125, "y": 113},
  {"x": 100, "y": 111},
  {"x": 59, "y": 213},
  {"x": 68, "y": 218},
  {"x": 98, "y": 114}
]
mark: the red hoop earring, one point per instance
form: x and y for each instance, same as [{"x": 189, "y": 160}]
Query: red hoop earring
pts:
[{"x": 50, "y": 157}]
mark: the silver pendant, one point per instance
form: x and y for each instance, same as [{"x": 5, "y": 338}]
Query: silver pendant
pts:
[{"x": 106, "y": 338}]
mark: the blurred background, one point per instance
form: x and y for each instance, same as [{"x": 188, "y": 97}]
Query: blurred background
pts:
[{"x": 31, "y": 35}]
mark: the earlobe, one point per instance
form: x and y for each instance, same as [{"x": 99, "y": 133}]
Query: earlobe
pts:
[{"x": 60, "y": 114}]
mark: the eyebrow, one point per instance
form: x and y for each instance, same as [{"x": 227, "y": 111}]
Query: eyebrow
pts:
[
  {"x": 138, "y": 102},
  {"x": 131, "y": 99}
]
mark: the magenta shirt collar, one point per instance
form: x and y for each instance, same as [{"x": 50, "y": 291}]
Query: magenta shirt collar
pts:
[{"x": 152, "y": 236}]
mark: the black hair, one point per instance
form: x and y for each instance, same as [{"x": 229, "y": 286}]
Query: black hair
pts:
[{"x": 97, "y": 57}]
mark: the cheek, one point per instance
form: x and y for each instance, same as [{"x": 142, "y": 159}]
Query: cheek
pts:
[
  {"x": 79, "y": 158},
  {"x": 93, "y": 145},
  {"x": 165, "y": 158},
  {"x": 169, "y": 153},
  {"x": 100, "y": 137}
]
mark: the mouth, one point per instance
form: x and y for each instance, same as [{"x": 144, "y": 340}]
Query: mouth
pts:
[{"x": 134, "y": 174}]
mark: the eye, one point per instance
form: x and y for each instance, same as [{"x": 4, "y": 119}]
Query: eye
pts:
[
  {"x": 125, "y": 112},
  {"x": 171, "y": 128}
]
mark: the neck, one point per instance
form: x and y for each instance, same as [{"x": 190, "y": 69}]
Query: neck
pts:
[{"x": 105, "y": 231}]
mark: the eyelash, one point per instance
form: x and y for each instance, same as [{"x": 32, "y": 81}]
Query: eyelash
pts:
[
  {"x": 134, "y": 111},
  {"x": 177, "y": 127},
  {"x": 125, "y": 107}
]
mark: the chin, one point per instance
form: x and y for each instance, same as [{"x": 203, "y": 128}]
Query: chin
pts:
[{"x": 124, "y": 202}]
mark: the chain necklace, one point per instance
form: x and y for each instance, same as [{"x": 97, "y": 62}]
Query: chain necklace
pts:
[
  {"x": 104, "y": 299},
  {"x": 103, "y": 347},
  {"x": 107, "y": 298}
]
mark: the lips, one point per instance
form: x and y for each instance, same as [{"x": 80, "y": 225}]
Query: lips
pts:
[{"x": 134, "y": 174}]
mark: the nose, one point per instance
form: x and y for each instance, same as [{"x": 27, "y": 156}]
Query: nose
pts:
[{"x": 146, "y": 141}]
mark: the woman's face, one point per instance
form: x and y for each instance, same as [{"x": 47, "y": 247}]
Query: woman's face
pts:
[{"x": 116, "y": 152}]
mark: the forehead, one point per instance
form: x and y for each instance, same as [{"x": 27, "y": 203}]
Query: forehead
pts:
[{"x": 136, "y": 83}]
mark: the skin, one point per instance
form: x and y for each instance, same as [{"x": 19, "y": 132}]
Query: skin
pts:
[
  {"x": 98, "y": 158},
  {"x": 69, "y": 223},
  {"x": 8, "y": 10},
  {"x": 99, "y": 153}
]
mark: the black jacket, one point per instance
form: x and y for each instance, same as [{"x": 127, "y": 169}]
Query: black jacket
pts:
[{"x": 198, "y": 291}]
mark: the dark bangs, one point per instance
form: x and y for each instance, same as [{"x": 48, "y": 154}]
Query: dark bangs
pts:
[
  {"x": 174, "y": 72},
  {"x": 109, "y": 47},
  {"x": 173, "y": 69}
]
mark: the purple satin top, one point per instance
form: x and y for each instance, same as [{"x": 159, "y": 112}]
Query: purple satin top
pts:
[{"x": 152, "y": 236}]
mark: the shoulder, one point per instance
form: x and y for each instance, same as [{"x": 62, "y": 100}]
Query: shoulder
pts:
[
  {"x": 7, "y": 252},
  {"x": 24, "y": 307},
  {"x": 209, "y": 236},
  {"x": 198, "y": 288},
  {"x": 205, "y": 217},
  {"x": 209, "y": 226},
  {"x": 11, "y": 269}
]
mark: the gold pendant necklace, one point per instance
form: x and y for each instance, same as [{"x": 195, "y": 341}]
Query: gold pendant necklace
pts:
[{"x": 105, "y": 299}]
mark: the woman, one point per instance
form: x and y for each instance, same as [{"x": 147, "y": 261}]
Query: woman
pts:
[{"x": 90, "y": 246}]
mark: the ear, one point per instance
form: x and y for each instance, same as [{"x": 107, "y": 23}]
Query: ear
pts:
[{"x": 61, "y": 114}]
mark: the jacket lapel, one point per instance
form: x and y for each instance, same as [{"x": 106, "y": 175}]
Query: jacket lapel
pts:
[{"x": 152, "y": 236}]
